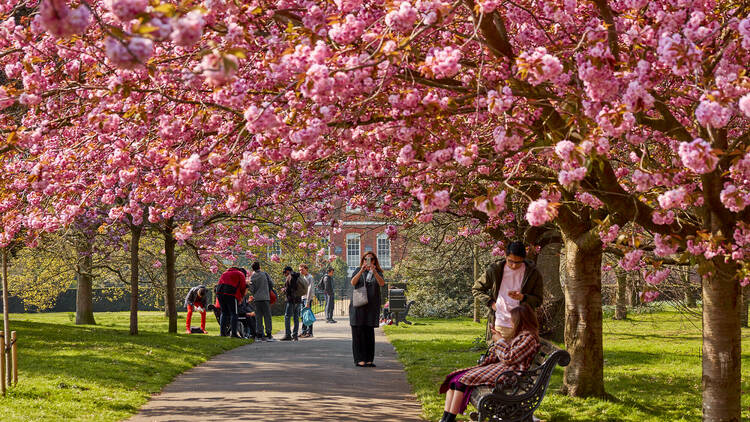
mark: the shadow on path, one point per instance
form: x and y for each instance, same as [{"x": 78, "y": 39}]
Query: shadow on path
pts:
[{"x": 310, "y": 380}]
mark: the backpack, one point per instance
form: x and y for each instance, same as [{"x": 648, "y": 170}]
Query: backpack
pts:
[{"x": 301, "y": 288}]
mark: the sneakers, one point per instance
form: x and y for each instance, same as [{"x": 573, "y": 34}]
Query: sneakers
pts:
[
  {"x": 286, "y": 338},
  {"x": 304, "y": 335},
  {"x": 188, "y": 331},
  {"x": 269, "y": 339},
  {"x": 295, "y": 338}
]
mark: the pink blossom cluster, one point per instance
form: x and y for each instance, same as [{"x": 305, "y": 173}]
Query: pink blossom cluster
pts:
[
  {"x": 649, "y": 296},
  {"x": 540, "y": 65},
  {"x": 348, "y": 5},
  {"x": 632, "y": 260},
  {"x": 637, "y": 98},
  {"x": 126, "y": 10},
  {"x": 190, "y": 169},
  {"x": 183, "y": 232},
  {"x": 437, "y": 201},
  {"x": 595, "y": 70},
  {"x": 662, "y": 218},
  {"x": 697, "y": 156},
  {"x": 187, "y": 30},
  {"x": 218, "y": 69},
  {"x": 674, "y": 198},
  {"x": 60, "y": 20},
  {"x": 610, "y": 235},
  {"x": 425, "y": 239},
  {"x": 643, "y": 181},
  {"x": 613, "y": 122},
  {"x": 733, "y": 198},
  {"x": 506, "y": 142},
  {"x": 540, "y": 212},
  {"x": 678, "y": 53},
  {"x": 259, "y": 119},
  {"x": 466, "y": 155},
  {"x": 488, "y": 6},
  {"x": 657, "y": 276},
  {"x": 403, "y": 18},
  {"x": 710, "y": 113},
  {"x": 744, "y": 30},
  {"x": 744, "y": 103},
  {"x": 391, "y": 231},
  {"x": 347, "y": 31},
  {"x": 442, "y": 62},
  {"x": 5, "y": 99},
  {"x": 569, "y": 177},
  {"x": 128, "y": 54},
  {"x": 406, "y": 155},
  {"x": 495, "y": 207},
  {"x": 499, "y": 103},
  {"x": 664, "y": 246},
  {"x": 588, "y": 199}
]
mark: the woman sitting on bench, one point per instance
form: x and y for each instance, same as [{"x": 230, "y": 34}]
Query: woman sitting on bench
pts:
[{"x": 517, "y": 355}]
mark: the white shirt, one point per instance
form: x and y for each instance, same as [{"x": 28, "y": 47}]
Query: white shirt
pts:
[{"x": 512, "y": 280}]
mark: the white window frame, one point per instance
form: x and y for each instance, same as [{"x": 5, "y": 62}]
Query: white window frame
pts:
[
  {"x": 352, "y": 260},
  {"x": 275, "y": 248},
  {"x": 385, "y": 260}
]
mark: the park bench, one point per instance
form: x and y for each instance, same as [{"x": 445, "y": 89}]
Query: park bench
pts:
[
  {"x": 516, "y": 395},
  {"x": 398, "y": 308}
]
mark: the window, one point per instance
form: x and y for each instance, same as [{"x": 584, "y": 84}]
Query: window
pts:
[
  {"x": 274, "y": 249},
  {"x": 384, "y": 250},
  {"x": 352, "y": 210},
  {"x": 352, "y": 251}
]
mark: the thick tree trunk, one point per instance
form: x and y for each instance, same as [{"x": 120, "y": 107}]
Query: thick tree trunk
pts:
[
  {"x": 745, "y": 303},
  {"x": 584, "y": 377},
  {"x": 552, "y": 318},
  {"x": 84, "y": 292},
  {"x": 135, "y": 237},
  {"x": 721, "y": 345},
  {"x": 621, "y": 307},
  {"x": 169, "y": 245}
]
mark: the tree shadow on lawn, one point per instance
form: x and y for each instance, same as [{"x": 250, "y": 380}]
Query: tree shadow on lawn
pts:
[{"x": 107, "y": 356}]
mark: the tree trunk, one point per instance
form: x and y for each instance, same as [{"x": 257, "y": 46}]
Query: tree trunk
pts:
[
  {"x": 477, "y": 305},
  {"x": 745, "y": 303},
  {"x": 621, "y": 307},
  {"x": 84, "y": 292},
  {"x": 552, "y": 311},
  {"x": 721, "y": 345},
  {"x": 6, "y": 318},
  {"x": 584, "y": 377},
  {"x": 135, "y": 237},
  {"x": 169, "y": 245}
]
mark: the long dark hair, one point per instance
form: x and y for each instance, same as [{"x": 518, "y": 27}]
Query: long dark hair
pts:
[
  {"x": 374, "y": 261},
  {"x": 524, "y": 318}
]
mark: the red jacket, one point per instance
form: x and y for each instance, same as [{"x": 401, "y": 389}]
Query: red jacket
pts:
[{"x": 236, "y": 279}]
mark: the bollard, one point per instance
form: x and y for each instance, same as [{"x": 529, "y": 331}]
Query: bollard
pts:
[
  {"x": 2, "y": 363},
  {"x": 15, "y": 357}
]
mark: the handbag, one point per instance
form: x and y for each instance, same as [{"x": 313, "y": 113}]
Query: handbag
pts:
[
  {"x": 272, "y": 294},
  {"x": 359, "y": 295}
]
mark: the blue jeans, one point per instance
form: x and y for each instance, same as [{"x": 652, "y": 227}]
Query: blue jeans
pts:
[{"x": 291, "y": 310}]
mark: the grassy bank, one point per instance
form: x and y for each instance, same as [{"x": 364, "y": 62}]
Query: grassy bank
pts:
[
  {"x": 652, "y": 368},
  {"x": 100, "y": 372}
]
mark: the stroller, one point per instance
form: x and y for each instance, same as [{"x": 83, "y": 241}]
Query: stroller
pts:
[{"x": 246, "y": 324}]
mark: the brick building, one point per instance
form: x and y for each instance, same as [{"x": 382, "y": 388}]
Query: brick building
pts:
[{"x": 362, "y": 233}]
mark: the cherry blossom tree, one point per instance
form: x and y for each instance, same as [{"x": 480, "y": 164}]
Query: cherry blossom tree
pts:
[{"x": 595, "y": 114}]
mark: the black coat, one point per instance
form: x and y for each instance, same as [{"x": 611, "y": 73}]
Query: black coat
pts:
[{"x": 368, "y": 315}]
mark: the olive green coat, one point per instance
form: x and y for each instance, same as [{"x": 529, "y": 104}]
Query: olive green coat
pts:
[{"x": 487, "y": 286}]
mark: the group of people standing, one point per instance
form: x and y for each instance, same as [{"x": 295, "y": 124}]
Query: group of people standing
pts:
[{"x": 248, "y": 300}]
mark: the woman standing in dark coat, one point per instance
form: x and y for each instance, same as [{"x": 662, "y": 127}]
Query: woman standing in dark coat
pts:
[{"x": 364, "y": 319}]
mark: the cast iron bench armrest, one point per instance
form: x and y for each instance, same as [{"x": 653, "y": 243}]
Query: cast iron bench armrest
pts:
[{"x": 517, "y": 394}]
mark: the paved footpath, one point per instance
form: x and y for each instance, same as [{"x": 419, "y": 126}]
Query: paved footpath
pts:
[{"x": 313, "y": 379}]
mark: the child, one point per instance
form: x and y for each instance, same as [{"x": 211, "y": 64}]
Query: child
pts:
[{"x": 196, "y": 300}]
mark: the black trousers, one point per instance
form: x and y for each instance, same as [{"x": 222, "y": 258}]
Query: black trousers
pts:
[
  {"x": 228, "y": 319},
  {"x": 363, "y": 343}
]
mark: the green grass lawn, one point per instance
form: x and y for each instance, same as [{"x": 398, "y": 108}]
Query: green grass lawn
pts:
[
  {"x": 99, "y": 372},
  {"x": 652, "y": 368}
]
